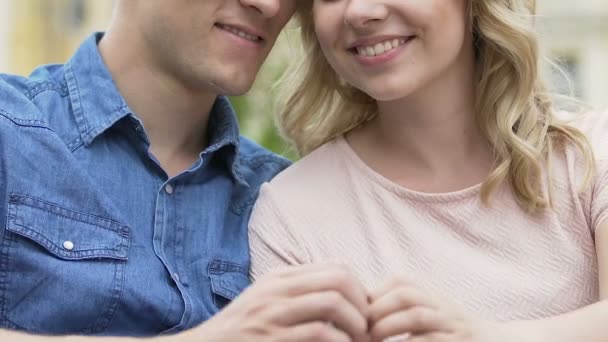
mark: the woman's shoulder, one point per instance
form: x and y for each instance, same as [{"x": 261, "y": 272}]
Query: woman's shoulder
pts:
[
  {"x": 318, "y": 176},
  {"x": 594, "y": 124},
  {"x": 323, "y": 163}
]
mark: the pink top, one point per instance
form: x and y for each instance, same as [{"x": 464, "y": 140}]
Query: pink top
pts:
[{"x": 497, "y": 261}]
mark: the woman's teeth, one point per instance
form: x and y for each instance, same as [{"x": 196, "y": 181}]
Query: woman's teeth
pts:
[{"x": 380, "y": 48}]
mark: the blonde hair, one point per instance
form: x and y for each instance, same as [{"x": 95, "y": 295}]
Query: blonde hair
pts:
[{"x": 513, "y": 108}]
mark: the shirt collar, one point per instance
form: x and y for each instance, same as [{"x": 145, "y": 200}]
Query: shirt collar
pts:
[
  {"x": 224, "y": 134},
  {"x": 97, "y": 105}
]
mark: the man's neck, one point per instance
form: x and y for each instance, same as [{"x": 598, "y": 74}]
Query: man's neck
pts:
[{"x": 174, "y": 116}]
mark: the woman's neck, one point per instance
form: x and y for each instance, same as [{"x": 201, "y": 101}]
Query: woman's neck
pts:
[{"x": 428, "y": 141}]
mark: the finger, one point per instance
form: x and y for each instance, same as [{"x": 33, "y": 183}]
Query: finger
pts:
[
  {"x": 417, "y": 321},
  {"x": 289, "y": 271},
  {"x": 399, "y": 299},
  {"x": 327, "y": 306},
  {"x": 313, "y": 331},
  {"x": 432, "y": 337},
  {"x": 388, "y": 286},
  {"x": 336, "y": 279}
]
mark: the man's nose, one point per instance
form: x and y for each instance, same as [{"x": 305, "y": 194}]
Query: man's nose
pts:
[{"x": 268, "y": 8}]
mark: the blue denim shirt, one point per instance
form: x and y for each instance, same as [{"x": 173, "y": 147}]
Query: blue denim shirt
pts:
[{"x": 94, "y": 237}]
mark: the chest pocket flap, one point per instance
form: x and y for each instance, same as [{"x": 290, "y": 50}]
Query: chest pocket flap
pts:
[
  {"x": 228, "y": 280},
  {"x": 66, "y": 233}
]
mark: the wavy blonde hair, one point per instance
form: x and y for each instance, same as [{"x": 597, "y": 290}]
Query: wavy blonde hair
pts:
[{"x": 513, "y": 108}]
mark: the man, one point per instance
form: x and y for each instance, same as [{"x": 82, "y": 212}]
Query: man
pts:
[{"x": 125, "y": 188}]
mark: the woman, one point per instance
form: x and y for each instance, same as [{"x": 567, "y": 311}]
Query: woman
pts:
[{"x": 431, "y": 149}]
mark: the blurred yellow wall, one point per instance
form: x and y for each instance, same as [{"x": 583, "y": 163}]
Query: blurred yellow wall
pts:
[{"x": 47, "y": 31}]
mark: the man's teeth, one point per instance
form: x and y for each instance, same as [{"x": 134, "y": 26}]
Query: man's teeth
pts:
[
  {"x": 240, "y": 33},
  {"x": 380, "y": 48}
]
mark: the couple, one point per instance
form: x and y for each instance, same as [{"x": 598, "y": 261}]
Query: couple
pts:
[{"x": 128, "y": 191}]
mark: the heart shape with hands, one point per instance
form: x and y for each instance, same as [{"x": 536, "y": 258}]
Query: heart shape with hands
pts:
[{"x": 297, "y": 303}]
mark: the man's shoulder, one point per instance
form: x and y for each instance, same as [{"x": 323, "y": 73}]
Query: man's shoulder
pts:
[
  {"x": 258, "y": 164},
  {"x": 16, "y": 106},
  {"x": 25, "y": 100}
]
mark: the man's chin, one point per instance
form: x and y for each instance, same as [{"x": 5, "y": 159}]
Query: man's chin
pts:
[{"x": 232, "y": 88}]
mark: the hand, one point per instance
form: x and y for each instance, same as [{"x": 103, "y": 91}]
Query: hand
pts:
[
  {"x": 399, "y": 308},
  {"x": 306, "y": 303}
]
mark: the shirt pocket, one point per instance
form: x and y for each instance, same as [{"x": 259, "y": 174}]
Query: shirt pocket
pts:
[
  {"x": 61, "y": 271},
  {"x": 228, "y": 280}
]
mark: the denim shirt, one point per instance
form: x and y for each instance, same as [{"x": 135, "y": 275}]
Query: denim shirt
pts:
[{"x": 94, "y": 237}]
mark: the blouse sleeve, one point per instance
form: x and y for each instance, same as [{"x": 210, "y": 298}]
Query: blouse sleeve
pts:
[
  {"x": 273, "y": 242},
  {"x": 599, "y": 202},
  {"x": 599, "y": 142}
]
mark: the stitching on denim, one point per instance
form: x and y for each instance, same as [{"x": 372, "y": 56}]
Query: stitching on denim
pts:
[
  {"x": 226, "y": 287},
  {"x": 73, "y": 255},
  {"x": 74, "y": 94},
  {"x": 219, "y": 267},
  {"x": 93, "y": 220},
  {"x": 14, "y": 325},
  {"x": 75, "y": 143},
  {"x": 38, "y": 88},
  {"x": 255, "y": 163},
  {"x": 23, "y": 122},
  {"x": 53, "y": 248},
  {"x": 105, "y": 319},
  {"x": 92, "y": 132},
  {"x": 4, "y": 264}
]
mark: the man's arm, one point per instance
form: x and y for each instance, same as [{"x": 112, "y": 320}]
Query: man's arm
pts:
[
  {"x": 9, "y": 336},
  {"x": 294, "y": 304}
]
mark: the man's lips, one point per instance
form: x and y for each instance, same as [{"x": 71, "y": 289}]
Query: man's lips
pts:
[{"x": 242, "y": 31}]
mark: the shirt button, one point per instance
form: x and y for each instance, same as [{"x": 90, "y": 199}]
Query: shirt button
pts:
[
  {"x": 169, "y": 189},
  {"x": 69, "y": 245},
  {"x": 176, "y": 277}
]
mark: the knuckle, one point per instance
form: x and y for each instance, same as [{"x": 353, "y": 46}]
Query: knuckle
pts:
[
  {"x": 331, "y": 301},
  {"x": 421, "y": 316},
  {"x": 361, "y": 326},
  {"x": 341, "y": 276},
  {"x": 318, "y": 332},
  {"x": 259, "y": 307},
  {"x": 404, "y": 297}
]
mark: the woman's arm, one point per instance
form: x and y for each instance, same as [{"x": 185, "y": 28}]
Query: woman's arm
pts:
[
  {"x": 601, "y": 246},
  {"x": 589, "y": 324},
  {"x": 273, "y": 241},
  {"x": 400, "y": 308}
]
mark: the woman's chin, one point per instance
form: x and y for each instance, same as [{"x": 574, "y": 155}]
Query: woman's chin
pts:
[
  {"x": 387, "y": 95},
  {"x": 388, "y": 91}
]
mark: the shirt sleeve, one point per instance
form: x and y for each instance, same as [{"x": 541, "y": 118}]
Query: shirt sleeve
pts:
[
  {"x": 599, "y": 204},
  {"x": 599, "y": 142},
  {"x": 273, "y": 242}
]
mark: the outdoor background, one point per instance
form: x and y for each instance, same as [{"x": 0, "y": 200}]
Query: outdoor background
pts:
[{"x": 34, "y": 32}]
